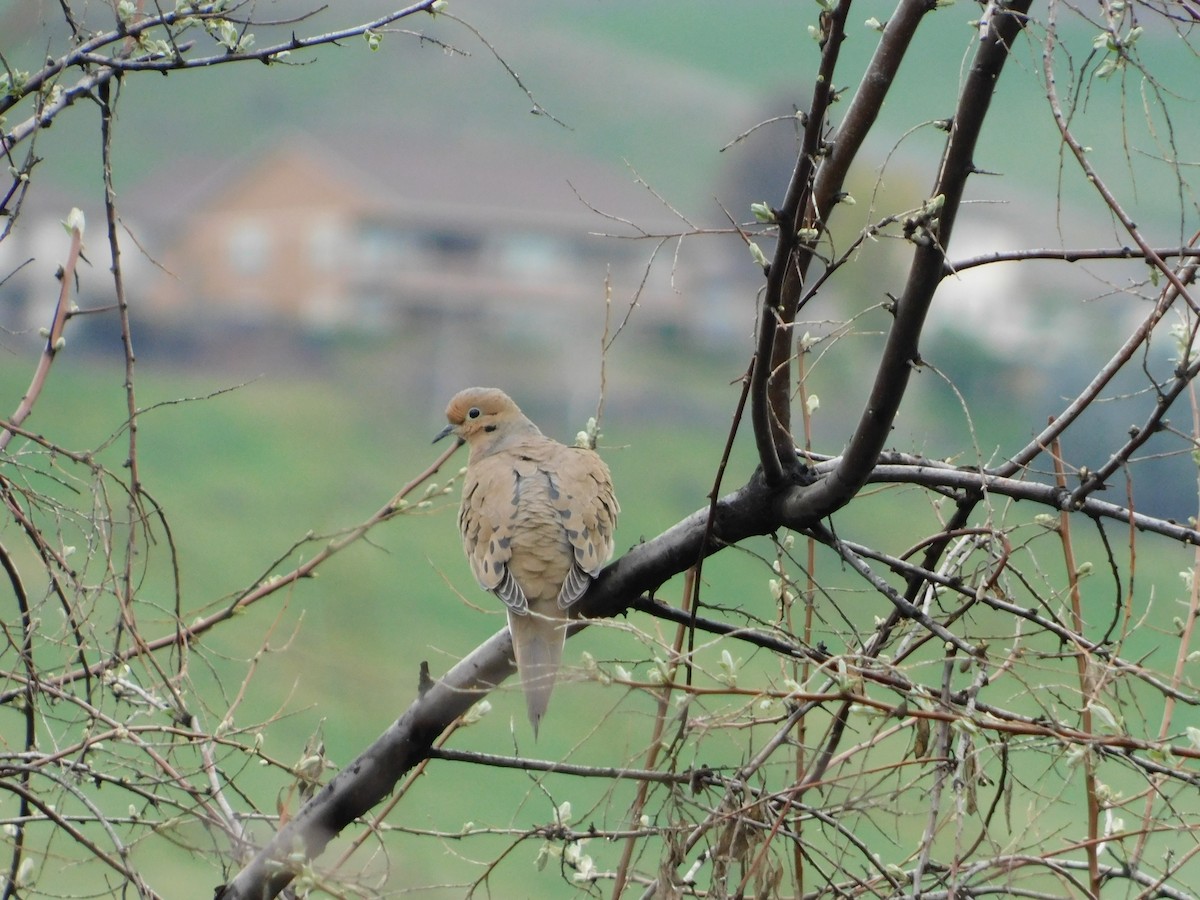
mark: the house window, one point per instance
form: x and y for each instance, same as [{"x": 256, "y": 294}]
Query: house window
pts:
[
  {"x": 249, "y": 247},
  {"x": 453, "y": 244},
  {"x": 325, "y": 244},
  {"x": 381, "y": 244},
  {"x": 532, "y": 254}
]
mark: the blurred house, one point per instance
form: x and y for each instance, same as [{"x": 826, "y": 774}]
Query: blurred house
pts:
[{"x": 385, "y": 234}]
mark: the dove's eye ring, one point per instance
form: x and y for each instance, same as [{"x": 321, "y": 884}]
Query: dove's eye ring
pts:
[{"x": 473, "y": 412}]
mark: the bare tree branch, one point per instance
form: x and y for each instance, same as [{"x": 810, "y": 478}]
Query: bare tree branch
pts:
[{"x": 931, "y": 230}]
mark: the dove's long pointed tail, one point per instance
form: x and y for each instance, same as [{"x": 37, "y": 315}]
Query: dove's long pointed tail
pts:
[{"x": 538, "y": 643}]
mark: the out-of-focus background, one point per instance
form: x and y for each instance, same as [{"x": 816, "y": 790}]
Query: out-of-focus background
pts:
[{"x": 352, "y": 236}]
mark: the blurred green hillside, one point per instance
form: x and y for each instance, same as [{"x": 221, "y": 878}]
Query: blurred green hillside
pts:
[{"x": 656, "y": 89}]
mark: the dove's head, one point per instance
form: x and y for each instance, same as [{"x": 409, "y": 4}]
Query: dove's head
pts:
[{"x": 485, "y": 419}]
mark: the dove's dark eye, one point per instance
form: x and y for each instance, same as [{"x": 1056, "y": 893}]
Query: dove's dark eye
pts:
[{"x": 473, "y": 412}]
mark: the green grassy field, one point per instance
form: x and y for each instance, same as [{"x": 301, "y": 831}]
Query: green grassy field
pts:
[{"x": 245, "y": 475}]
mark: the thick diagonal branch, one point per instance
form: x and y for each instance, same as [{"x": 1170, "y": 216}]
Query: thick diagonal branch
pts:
[{"x": 372, "y": 776}]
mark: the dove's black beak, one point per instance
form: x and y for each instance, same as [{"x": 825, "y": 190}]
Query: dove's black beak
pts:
[{"x": 449, "y": 429}]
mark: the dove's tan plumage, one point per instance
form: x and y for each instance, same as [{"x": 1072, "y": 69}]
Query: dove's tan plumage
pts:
[{"x": 537, "y": 523}]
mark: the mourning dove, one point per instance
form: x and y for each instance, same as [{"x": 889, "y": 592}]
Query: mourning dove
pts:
[{"x": 537, "y": 523}]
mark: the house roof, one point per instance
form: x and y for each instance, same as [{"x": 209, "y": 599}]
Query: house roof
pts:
[
  {"x": 480, "y": 180},
  {"x": 499, "y": 178}
]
